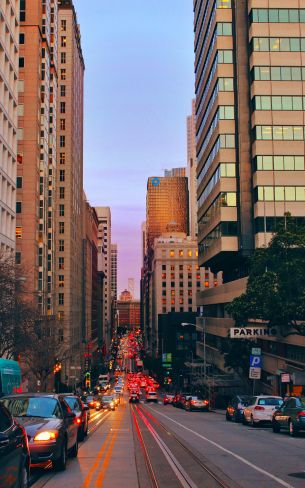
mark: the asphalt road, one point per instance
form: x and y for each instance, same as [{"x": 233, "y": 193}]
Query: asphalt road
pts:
[{"x": 150, "y": 445}]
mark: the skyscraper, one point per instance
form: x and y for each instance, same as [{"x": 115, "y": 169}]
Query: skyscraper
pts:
[
  {"x": 69, "y": 177},
  {"x": 250, "y": 132},
  {"x": 37, "y": 125},
  {"x": 104, "y": 221},
  {"x": 114, "y": 271},
  {"x": 174, "y": 172},
  {"x": 192, "y": 170},
  {"x": 9, "y": 39}
]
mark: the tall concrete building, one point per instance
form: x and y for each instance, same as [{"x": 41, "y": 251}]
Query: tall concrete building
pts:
[
  {"x": 192, "y": 170},
  {"x": 250, "y": 132},
  {"x": 9, "y": 59},
  {"x": 104, "y": 229},
  {"x": 69, "y": 178},
  {"x": 114, "y": 271},
  {"x": 37, "y": 128}
]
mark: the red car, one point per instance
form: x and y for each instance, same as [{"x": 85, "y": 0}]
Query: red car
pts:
[{"x": 168, "y": 399}]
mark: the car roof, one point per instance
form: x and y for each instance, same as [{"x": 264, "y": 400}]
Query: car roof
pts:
[{"x": 36, "y": 395}]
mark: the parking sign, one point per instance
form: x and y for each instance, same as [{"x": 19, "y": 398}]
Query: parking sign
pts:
[{"x": 255, "y": 361}]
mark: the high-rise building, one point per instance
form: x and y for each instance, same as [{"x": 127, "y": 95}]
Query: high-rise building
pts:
[
  {"x": 37, "y": 127},
  {"x": 168, "y": 173},
  {"x": 131, "y": 286},
  {"x": 166, "y": 207},
  {"x": 104, "y": 228},
  {"x": 114, "y": 271},
  {"x": 69, "y": 177},
  {"x": 128, "y": 311},
  {"x": 192, "y": 170},
  {"x": 250, "y": 132},
  {"x": 9, "y": 40}
]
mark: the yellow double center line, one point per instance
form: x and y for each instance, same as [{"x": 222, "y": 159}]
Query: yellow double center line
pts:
[{"x": 107, "y": 444}]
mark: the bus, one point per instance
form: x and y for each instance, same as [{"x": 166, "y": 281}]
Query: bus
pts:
[{"x": 10, "y": 377}]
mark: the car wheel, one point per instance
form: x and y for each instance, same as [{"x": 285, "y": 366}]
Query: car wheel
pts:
[
  {"x": 228, "y": 417},
  {"x": 252, "y": 423},
  {"x": 81, "y": 433},
  {"x": 244, "y": 421},
  {"x": 292, "y": 430},
  {"x": 60, "y": 464},
  {"x": 74, "y": 450},
  {"x": 23, "y": 481},
  {"x": 276, "y": 427}
]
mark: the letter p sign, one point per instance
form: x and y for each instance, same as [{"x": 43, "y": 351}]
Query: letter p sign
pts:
[{"x": 255, "y": 361}]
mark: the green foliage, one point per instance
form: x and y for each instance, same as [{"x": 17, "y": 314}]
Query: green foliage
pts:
[
  {"x": 237, "y": 355},
  {"x": 276, "y": 287}
]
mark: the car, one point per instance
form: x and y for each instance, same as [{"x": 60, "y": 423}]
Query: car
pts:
[
  {"x": 168, "y": 399},
  {"x": 235, "y": 408},
  {"x": 180, "y": 399},
  {"x": 196, "y": 402},
  {"x": 134, "y": 397},
  {"x": 151, "y": 396},
  {"x": 50, "y": 426},
  {"x": 91, "y": 401},
  {"x": 82, "y": 414},
  {"x": 108, "y": 403},
  {"x": 14, "y": 452},
  {"x": 261, "y": 409},
  {"x": 290, "y": 415}
]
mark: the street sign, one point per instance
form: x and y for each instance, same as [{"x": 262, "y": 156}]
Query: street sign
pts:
[
  {"x": 255, "y": 373},
  {"x": 285, "y": 378},
  {"x": 167, "y": 357},
  {"x": 252, "y": 332},
  {"x": 256, "y": 351},
  {"x": 255, "y": 361}
]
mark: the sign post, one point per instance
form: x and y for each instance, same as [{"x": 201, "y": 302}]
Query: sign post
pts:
[{"x": 255, "y": 370}]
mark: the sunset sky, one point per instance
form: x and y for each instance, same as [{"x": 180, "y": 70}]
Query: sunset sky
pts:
[{"x": 139, "y": 84}]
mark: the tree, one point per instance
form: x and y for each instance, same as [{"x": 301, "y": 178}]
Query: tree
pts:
[{"x": 275, "y": 291}]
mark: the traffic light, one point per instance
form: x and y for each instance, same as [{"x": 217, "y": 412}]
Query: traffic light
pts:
[
  {"x": 57, "y": 367},
  {"x": 88, "y": 380}
]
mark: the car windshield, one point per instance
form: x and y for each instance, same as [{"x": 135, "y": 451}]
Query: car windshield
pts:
[
  {"x": 42, "y": 407},
  {"x": 107, "y": 399},
  {"x": 196, "y": 397},
  {"x": 152, "y": 393},
  {"x": 270, "y": 401}
]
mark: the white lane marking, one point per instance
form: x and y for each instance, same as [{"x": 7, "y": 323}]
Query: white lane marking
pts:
[
  {"x": 243, "y": 460},
  {"x": 181, "y": 474},
  {"x": 98, "y": 423}
]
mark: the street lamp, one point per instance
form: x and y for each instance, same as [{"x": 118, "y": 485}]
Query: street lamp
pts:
[{"x": 184, "y": 324}]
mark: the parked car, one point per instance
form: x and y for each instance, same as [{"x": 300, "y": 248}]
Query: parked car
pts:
[
  {"x": 291, "y": 416},
  {"x": 50, "y": 426},
  {"x": 180, "y": 398},
  {"x": 235, "y": 408},
  {"x": 82, "y": 414},
  {"x": 14, "y": 452},
  {"x": 261, "y": 409},
  {"x": 167, "y": 399},
  {"x": 151, "y": 396},
  {"x": 196, "y": 402}
]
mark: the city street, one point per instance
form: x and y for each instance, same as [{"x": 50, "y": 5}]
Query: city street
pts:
[{"x": 145, "y": 445}]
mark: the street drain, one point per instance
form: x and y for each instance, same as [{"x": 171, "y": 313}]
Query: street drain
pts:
[{"x": 301, "y": 475}]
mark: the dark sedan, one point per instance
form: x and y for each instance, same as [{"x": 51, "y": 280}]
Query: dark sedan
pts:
[
  {"x": 14, "y": 452},
  {"x": 291, "y": 416},
  {"x": 50, "y": 426},
  {"x": 235, "y": 408},
  {"x": 82, "y": 414},
  {"x": 196, "y": 403}
]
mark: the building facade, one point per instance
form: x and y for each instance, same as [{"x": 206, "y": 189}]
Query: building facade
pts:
[
  {"x": 168, "y": 173},
  {"x": 69, "y": 180},
  {"x": 249, "y": 68},
  {"x": 104, "y": 242},
  {"x": 9, "y": 66},
  {"x": 128, "y": 311},
  {"x": 37, "y": 128},
  {"x": 114, "y": 272},
  {"x": 192, "y": 170}
]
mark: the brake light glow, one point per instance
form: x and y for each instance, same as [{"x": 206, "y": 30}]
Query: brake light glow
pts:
[
  {"x": 206, "y": 402},
  {"x": 46, "y": 436},
  {"x": 78, "y": 420},
  {"x": 258, "y": 408},
  {"x": 301, "y": 414}
]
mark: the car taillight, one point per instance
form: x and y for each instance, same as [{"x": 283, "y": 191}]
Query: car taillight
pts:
[
  {"x": 301, "y": 414},
  {"x": 258, "y": 408},
  {"x": 206, "y": 402},
  {"x": 78, "y": 420},
  {"x": 193, "y": 402}
]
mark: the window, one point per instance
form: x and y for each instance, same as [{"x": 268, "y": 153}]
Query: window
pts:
[
  {"x": 279, "y": 163},
  {"x": 280, "y": 44},
  {"x": 172, "y": 284},
  {"x": 63, "y": 58},
  {"x": 62, "y": 124},
  {"x": 61, "y": 281},
  {"x": 173, "y": 293},
  {"x": 277, "y": 15},
  {"x": 62, "y": 107},
  {"x": 62, "y": 175},
  {"x": 18, "y": 257},
  {"x": 280, "y": 193},
  {"x": 190, "y": 253},
  {"x": 61, "y": 226},
  {"x": 63, "y": 74},
  {"x": 61, "y": 263},
  {"x": 62, "y": 158},
  {"x": 172, "y": 253},
  {"x": 61, "y": 299},
  {"x": 163, "y": 284},
  {"x": 61, "y": 245},
  {"x": 181, "y": 284},
  {"x": 278, "y": 73},
  {"x": 62, "y": 141},
  {"x": 62, "y": 90},
  {"x": 61, "y": 192},
  {"x": 224, "y": 28},
  {"x": 21, "y": 62},
  {"x": 172, "y": 276},
  {"x": 21, "y": 38},
  {"x": 63, "y": 41},
  {"x": 181, "y": 253},
  {"x": 279, "y": 132},
  {"x": 278, "y": 102},
  {"x": 63, "y": 25},
  {"x": 163, "y": 276},
  {"x": 164, "y": 293},
  {"x": 19, "y": 182},
  {"x": 22, "y": 11},
  {"x": 18, "y": 207},
  {"x": 61, "y": 212},
  {"x": 18, "y": 232},
  {"x": 164, "y": 267}
]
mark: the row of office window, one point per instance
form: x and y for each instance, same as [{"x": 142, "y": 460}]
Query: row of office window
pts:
[
  {"x": 277, "y": 15},
  {"x": 279, "y": 163},
  {"x": 172, "y": 267},
  {"x": 180, "y": 253},
  {"x": 173, "y": 275},
  {"x": 224, "y": 170},
  {"x": 279, "y": 132},
  {"x": 224, "y": 141},
  {"x": 278, "y": 44},
  {"x": 278, "y": 73},
  {"x": 271, "y": 224},
  {"x": 279, "y": 194},
  {"x": 181, "y": 284},
  {"x": 223, "y": 229},
  {"x": 224, "y": 199},
  {"x": 278, "y": 102}
]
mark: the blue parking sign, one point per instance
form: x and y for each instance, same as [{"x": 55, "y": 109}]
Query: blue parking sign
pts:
[{"x": 255, "y": 361}]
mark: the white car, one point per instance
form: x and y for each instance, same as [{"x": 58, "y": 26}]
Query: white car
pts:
[
  {"x": 261, "y": 409},
  {"x": 151, "y": 396}
]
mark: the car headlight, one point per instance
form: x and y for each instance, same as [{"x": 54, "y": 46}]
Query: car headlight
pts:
[
  {"x": 46, "y": 436},
  {"x": 111, "y": 404},
  {"x": 98, "y": 404}
]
